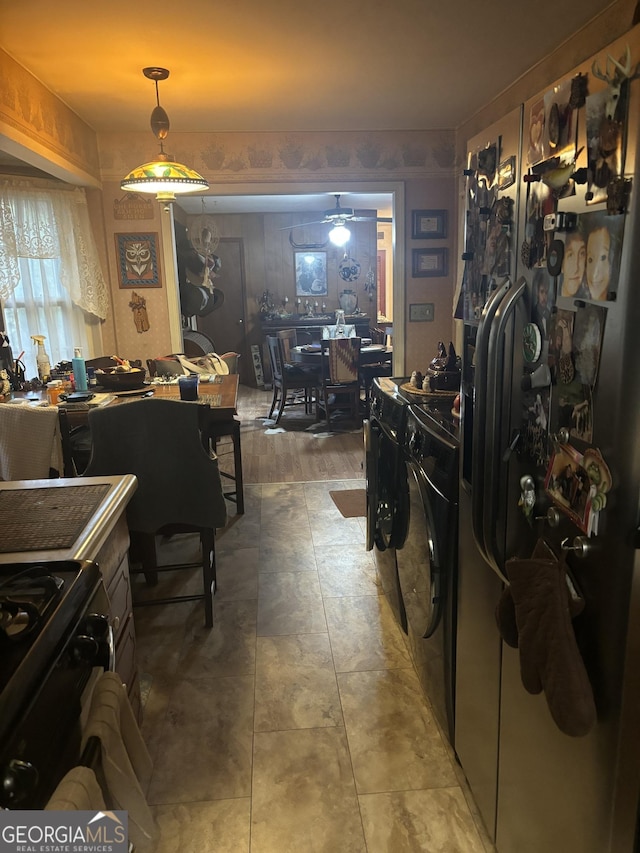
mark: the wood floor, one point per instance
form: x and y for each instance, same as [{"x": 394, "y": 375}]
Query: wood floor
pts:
[{"x": 301, "y": 452}]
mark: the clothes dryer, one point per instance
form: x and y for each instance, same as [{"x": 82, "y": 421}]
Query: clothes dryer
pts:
[
  {"x": 427, "y": 559},
  {"x": 387, "y": 493}
]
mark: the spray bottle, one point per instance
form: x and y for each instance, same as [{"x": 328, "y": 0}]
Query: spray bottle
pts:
[{"x": 42, "y": 359}]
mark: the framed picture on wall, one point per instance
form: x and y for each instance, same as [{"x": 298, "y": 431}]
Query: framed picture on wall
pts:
[
  {"x": 429, "y": 262},
  {"x": 428, "y": 224},
  {"x": 310, "y": 270},
  {"x": 138, "y": 264}
]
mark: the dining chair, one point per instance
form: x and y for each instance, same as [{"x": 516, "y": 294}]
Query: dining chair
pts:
[
  {"x": 289, "y": 339},
  {"x": 179, "y": 487},
  {"x": 292, "y": 385},
  {"x": 369, "y": 372},
  {"x": 340, "y": 377}
]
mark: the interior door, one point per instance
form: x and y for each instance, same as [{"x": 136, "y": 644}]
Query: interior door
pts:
[{"x": 226, "y": 325}]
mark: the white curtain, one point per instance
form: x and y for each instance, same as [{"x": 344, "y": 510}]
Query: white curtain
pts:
[
  {"x": 52, "y": 224},
  {"x": 50, "y": 279}
]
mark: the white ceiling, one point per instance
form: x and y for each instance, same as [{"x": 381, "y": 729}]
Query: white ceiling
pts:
[{"x": 286, "y": 65}]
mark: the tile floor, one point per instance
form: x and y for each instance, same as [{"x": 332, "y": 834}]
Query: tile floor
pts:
[{"x": 297, "y": 723}]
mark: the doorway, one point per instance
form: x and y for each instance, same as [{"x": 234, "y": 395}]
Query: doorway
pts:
[
  {"x": 302, "y": 197},
  {"x": 226, "y": 325}
]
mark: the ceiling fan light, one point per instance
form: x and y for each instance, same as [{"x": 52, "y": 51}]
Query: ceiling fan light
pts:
[{"x": 339, "y": 235}]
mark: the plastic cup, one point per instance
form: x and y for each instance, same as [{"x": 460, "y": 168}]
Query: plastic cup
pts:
[{"x": 188, "y": 387}]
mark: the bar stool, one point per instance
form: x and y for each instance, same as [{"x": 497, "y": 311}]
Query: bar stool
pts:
[{"x": 214, "y": 432}]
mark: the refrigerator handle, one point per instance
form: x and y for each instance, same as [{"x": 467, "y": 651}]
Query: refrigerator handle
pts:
[
  {"x": 480, "y": 412},
  {"x": 496, "y": 382}
]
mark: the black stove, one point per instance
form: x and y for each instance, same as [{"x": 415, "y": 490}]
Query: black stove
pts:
[
  {"x": 53, "y": 630},
  {"x": 37, "y": 603},
  {"x": 25, "y": 600}
]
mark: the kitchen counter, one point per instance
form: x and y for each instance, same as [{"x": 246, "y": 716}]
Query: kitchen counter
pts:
[
  {"x": 89, "y": 518},
  {"x": 97, "y": 528}
]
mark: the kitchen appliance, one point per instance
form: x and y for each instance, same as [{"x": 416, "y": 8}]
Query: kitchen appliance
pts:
[
  {"x": 534, "y": 184},
  {"x": 387, "y": 493},
  {"x": 427, "y": 559},
  {"x": 54, "y": 632}
]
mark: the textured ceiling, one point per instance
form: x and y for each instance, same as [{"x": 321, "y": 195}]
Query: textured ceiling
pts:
[{"x": 287, "y": 65}]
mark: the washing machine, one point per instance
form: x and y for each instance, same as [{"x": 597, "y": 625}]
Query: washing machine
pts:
[
  {"x": 427, "y": 558},
  {"x": 387, "y": 493}
]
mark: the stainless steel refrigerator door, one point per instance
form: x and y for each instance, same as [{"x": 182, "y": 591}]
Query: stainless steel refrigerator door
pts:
[
  {"x": 559, "y": 793},
  {"x": 478, "y": 651},
  {"x": 478, "y": 662}
]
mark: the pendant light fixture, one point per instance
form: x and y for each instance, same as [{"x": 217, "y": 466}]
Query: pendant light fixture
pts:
[{"x": 162, "y": 176}]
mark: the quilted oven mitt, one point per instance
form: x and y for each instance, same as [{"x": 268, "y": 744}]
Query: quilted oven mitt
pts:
[
  {"x": 549, "y": 656},
  {"x": 506, "y": 609}
]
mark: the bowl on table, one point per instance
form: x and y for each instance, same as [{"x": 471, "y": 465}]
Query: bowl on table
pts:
[{"x": 120, "y": 380}]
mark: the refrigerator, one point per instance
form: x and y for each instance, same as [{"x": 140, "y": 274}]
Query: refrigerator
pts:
[{"x": 548, "y": 647}]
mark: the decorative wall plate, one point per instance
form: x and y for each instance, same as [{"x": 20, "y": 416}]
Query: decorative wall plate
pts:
[{"x": 349, "y": 269}]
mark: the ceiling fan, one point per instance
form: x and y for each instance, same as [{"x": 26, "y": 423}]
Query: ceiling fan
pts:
[
  {"x": 340, "y": 215},
  {"x": 337, "y": 217}
]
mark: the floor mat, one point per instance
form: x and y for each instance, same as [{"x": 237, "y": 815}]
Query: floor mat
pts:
[{"x": 352, "y": 503}]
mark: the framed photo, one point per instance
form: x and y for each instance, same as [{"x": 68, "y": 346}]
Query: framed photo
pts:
[
  {"x": 577, "y": 483},
  {"x": 507, "y": 173},
  {"x": 429, "y": 262},
  {"x": 310, "y": 270},
  {"x": 429, "y": 224},
  {"x": 138, "y": 260}
]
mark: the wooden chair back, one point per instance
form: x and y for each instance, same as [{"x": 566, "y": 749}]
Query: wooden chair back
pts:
[
  {"x": 288, "y": 339},
  {"x": 273, "y": 344}
]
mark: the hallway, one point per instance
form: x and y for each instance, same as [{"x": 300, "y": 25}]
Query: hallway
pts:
[{"x": 296, "y": 724}]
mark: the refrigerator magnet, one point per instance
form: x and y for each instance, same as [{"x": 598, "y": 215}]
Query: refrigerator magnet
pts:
[
  {"x": 555, "y": 256},
  {"x": 531, "y": 343}
]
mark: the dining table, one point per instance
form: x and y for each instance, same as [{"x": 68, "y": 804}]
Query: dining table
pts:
[
  {"x": 220, "y": 394},
  {"x": 311, "y": 354},
  {"x": 217, "y": 398}
]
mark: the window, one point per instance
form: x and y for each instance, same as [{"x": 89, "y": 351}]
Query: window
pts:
[
  {"x": 51, "y": 283},
  {"x": 40, "y": 305}
]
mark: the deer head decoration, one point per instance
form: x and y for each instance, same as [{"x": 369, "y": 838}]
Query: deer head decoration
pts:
[{"x": 615, "y": 74}]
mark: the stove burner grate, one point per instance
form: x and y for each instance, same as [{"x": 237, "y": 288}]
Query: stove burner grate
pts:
[
  {"x": 24, "y": 600},
  {"x": 18, "y": 619}
]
